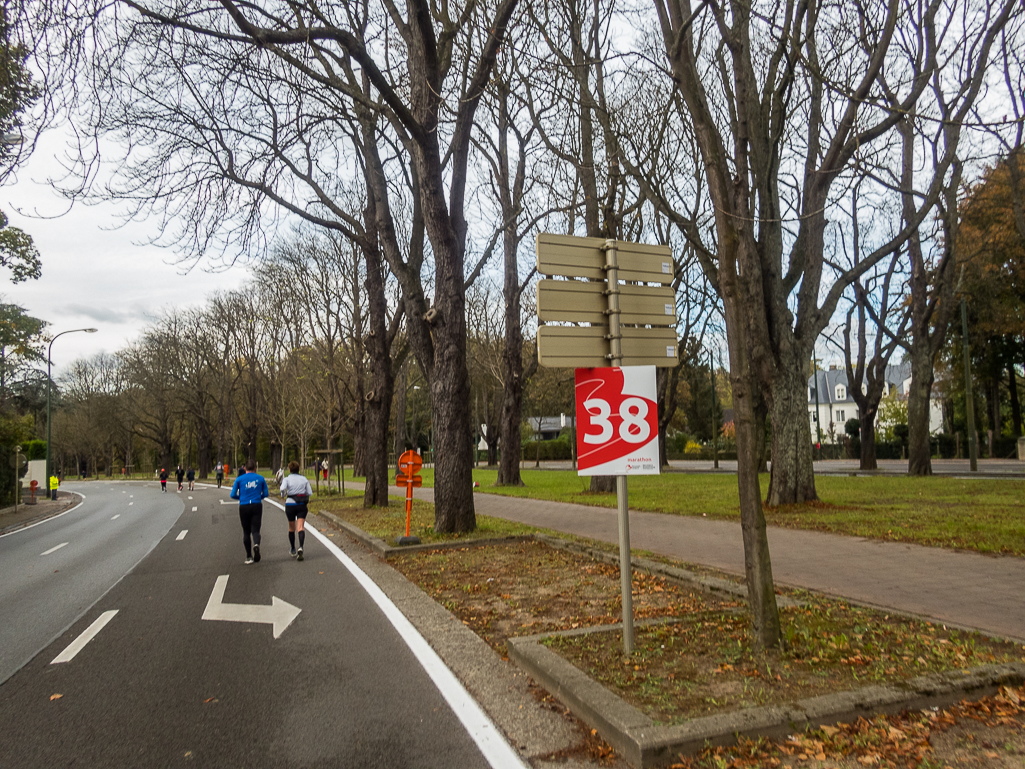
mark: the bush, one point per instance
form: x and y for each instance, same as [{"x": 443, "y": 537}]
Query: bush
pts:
[
  {"x": 34, "y": 449},
  {"x": 547, "y": 450}
]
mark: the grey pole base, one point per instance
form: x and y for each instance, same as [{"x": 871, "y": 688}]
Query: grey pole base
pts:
[{"x": 410, "y": 540}]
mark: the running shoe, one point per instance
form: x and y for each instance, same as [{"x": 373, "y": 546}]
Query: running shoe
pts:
[
  {"x": 299, "y": 555},
  {"x": 248, "y": 561},
  {"x": 292, "y": 552},
  {"x": 256, "y": 553}
]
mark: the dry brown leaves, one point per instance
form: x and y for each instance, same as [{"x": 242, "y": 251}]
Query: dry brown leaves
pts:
[{"x": 885, "y": 741}]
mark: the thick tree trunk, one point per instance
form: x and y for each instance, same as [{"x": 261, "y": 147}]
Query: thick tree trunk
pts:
[
  {"x": 377, "y": 412},
  {"x": 919, "y": 450},
  {"x": 868, "y": 440},
  {"x": 793, "y": 475},
  {"x": 511, "y": 417}
]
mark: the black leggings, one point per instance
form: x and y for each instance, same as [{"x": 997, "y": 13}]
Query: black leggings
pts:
[{"x": 252, "y": 518}]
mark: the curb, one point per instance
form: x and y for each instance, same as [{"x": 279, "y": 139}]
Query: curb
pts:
[
  {"x": 643, "y": 743},
  {"x": 386, "y": 551}
]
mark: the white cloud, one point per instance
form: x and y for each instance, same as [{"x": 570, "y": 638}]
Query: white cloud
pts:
[{"x": 95, "y": 274}]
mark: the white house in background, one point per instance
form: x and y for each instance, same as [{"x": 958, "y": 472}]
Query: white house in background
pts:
[{"x": 836, "y": 405}]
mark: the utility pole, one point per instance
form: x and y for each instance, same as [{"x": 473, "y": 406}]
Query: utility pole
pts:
[
  {"x": 715, "y": 448},
  {"x": 818, "y": 416},
  {"x": 969, "y": 400}
]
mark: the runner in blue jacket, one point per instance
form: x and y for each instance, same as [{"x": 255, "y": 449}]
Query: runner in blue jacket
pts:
[{"x": 250, "y": 489}]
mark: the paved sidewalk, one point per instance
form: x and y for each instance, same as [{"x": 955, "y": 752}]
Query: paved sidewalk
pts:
[{"x": 954, "y": 587}]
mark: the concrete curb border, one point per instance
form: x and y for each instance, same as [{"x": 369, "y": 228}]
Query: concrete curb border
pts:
[
  {"x": 643, "y": 743},
  {"x": 386, "y": 551}
]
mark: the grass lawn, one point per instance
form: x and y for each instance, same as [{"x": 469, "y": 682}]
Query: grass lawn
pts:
[{"x": 983, "y": 515}]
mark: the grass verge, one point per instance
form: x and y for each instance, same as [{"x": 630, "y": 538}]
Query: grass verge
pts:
[{"x": 983, "y": 515}]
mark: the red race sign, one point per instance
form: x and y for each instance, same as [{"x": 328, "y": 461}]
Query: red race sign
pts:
[{"x": 617, "y": 421}]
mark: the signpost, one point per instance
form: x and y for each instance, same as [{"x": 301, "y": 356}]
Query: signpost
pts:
[
  {"x": 408, "y": 475},
  {"x": 631, "y": 330}
]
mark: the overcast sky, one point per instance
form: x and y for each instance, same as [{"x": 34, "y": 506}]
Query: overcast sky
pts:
[{"x": 94, "y": 274}]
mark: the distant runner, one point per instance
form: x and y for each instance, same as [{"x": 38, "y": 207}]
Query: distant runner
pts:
[
  {"x": 220, "y": 473},
  {"x": 190, "y": 476}
]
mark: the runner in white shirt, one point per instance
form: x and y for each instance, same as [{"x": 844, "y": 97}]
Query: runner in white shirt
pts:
[{"x": 296, "y": 490}]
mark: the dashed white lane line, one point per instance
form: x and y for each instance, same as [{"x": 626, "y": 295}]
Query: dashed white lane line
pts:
[
  {"x": 54, "y": 549},
  {"x": 181, "y": 535},
  {"x": 190, "y": 497},
  {"x": 498, "y": 752},
  {"x": 195, "y": 509},
  {"x": 130, "y": 504},
  {"x": 115, "y": 517},
  {"x": 90, "y": 633}
]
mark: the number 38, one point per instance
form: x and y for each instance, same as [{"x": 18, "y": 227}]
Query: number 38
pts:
[{"x": 633, "y": 429}]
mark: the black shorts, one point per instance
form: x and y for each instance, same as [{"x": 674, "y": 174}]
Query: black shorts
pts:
[{"x": 295, "y": 511}]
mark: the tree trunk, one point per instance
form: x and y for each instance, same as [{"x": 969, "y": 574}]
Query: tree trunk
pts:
[
  {"x": 1012, "y": 391},
  {"x": 868, "y": 440},
  {"x": 793, "y": 475},
  {"x": 757, "y": 564},
  {"x": 377, "y": 413},
  {"x": 919, "y": 450}
]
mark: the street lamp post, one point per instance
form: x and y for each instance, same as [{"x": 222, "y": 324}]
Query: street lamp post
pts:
[{"x": 49, "y": 387}]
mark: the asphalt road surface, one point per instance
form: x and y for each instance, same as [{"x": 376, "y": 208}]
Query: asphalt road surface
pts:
[
  {"x": 143, "y": 679},
  {"x": 54, "y": 571}
]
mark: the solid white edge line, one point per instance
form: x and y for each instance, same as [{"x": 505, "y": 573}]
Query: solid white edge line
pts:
[
  {"x": 47, "y": 520},
  {"x": 89, "y": 634},
  {"x": 498, "y": 753},
  {"x": 54, "y": 549},
  {"x": 181, "y": 536}
]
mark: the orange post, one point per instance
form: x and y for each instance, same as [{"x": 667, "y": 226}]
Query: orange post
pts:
[{"x": 409, "y": 476}]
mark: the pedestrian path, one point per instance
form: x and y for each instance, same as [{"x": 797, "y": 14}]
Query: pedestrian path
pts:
[{"x": 955, "y": 587}]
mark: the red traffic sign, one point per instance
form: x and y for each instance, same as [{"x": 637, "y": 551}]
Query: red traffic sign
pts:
[
  {"x": 617, "y": 421},
  {"x": 401, "y": 479}
]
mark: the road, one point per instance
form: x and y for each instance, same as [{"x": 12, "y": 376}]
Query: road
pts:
[
  {"x": 346, "y": 682},
  {"x": 53, "y": 572}
]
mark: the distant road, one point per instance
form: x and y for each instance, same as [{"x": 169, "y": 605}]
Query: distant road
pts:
[{"x": 53, "y": 572}]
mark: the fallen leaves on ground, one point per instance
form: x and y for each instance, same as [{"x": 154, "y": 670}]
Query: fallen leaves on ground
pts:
[{"x": 904, "y": 740}]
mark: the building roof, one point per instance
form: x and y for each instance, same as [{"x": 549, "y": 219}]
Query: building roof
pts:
[{"x": 828, "y": 379}]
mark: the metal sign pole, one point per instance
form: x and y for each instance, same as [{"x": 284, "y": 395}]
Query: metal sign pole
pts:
[{"x": 616, "y": 358}]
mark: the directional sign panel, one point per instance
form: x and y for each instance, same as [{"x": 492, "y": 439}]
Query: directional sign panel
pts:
[
  {"x": 617, "y": 421},
  {"x": 583, "y": 346},
  {"x": 581, "y": 302},
  {"x": 573, "y": 257}
]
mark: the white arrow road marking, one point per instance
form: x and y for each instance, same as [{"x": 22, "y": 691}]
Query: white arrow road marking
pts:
[
  {"x": 115, "y": 517},
  {"x": 195, "y": 509},
  {"x": 54, "y": 549},
  {"x": 279, "y": 614},
  {"x": 90, "y": 633},
  {"x": 181, "y": 536}
]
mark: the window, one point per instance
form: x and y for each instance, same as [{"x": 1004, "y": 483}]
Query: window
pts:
[
  {"x": 840, "y": 415},
  {"x": 841, "y": 392},
  {"x": 814, "y": 417}
]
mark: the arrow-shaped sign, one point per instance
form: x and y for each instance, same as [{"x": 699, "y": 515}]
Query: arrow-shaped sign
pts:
[{"x": 279, "y": 614}]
